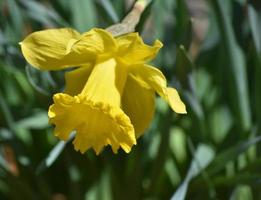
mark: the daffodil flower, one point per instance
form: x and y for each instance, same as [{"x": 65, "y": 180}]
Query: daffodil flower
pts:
[{"x": 109, "y": 98}]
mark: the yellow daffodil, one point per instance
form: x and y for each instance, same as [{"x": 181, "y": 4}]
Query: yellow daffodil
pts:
[{"x": 109, "y": 98}]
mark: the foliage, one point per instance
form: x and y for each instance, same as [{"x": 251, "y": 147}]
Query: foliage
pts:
[{"x": 211, "y": 54}]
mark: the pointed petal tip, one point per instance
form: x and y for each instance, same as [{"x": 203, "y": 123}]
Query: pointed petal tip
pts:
[
  {"x": 182, "y": 111},
  {"x": 177, "y": 106},
  {"x": 158, "y": 44}
]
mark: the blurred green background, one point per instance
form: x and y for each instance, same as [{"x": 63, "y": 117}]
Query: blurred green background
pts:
[{"x": 211, "y": 54}]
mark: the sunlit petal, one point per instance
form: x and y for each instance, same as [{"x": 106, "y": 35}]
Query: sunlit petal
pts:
[
  {"x": 55, "y": 49},
  {"x": 149, "y": 76},
  {"x": 132, "y": 49}
]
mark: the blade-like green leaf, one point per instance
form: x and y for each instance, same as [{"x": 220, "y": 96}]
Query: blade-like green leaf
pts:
[
  {"x": 83, "y": 14},
  {"x": 235, "y": 67},
  {"x": 184, "y": 67},
  {"x": 203, "y": 156},
  {"x": 37, "y": 121},
  {"x": 108, "y": 7},
  {"x": 255, "y": 25},
  {"x": 53, "y": 155},
  {"x": 43, "y": 14},
  {"x": 220, "y": 123},
  {"x": 230, "y": 154},
  {"x": 16, "y": 16},
  {"x": 183, "y": 33}
]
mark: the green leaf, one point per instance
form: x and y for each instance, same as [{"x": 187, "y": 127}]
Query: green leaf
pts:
[
  {"x": 184, "y": 71},
  {"x": 221, "y": 122},
  {"x": 23, "y": 84},
  {"x": 183, "y": 26},
  {"x": 177, "y": 143},
  {"x": 38, "y": 120},
  {"x": 16, "y": 16},
  {"x": 6, "y": 113},
  {"x": 231, "y": 154},
  {"x": 83, "y": 14},
  {"x": 154, "y": 146},
  {"x": 172, "y": 172},
  {"x": 108, "y": 7},
  {"x": 235, "y": 68},
  {"x": 101, "y": 189},
  {"x": 23, "y": 135},
  {"x": 184, "y": 66},
  {"x": 92, "y": 193},
  {"x": 255, "y": 25},
  {"x": 43, "y": 14},
  {"x": 203, "y": 156},
  {"x": 195, "y": 106},
  {"x": 53, "y": 155},
  {"x": 105, "y": 186},
  {"x": 248, "y": 178}
]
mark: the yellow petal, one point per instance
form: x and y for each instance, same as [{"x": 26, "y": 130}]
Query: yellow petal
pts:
[
  {"x": 46, "y": 49},
  {"x": 106, "y": 82},
  {"x": 171, "y": 95},
  {"x": 149, "y": 76},
  {"x": 138, "y": 103},
  {"x": 96, "y": 41},
  {"x": 132, "y": 49},
  {"x": 76, "y": 79},
  {"x": 55, "y": 49},
  {"x": 97, "y": 124}
]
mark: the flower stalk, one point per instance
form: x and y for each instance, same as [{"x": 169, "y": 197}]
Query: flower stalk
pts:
[{"x": 130, "y": 21}]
